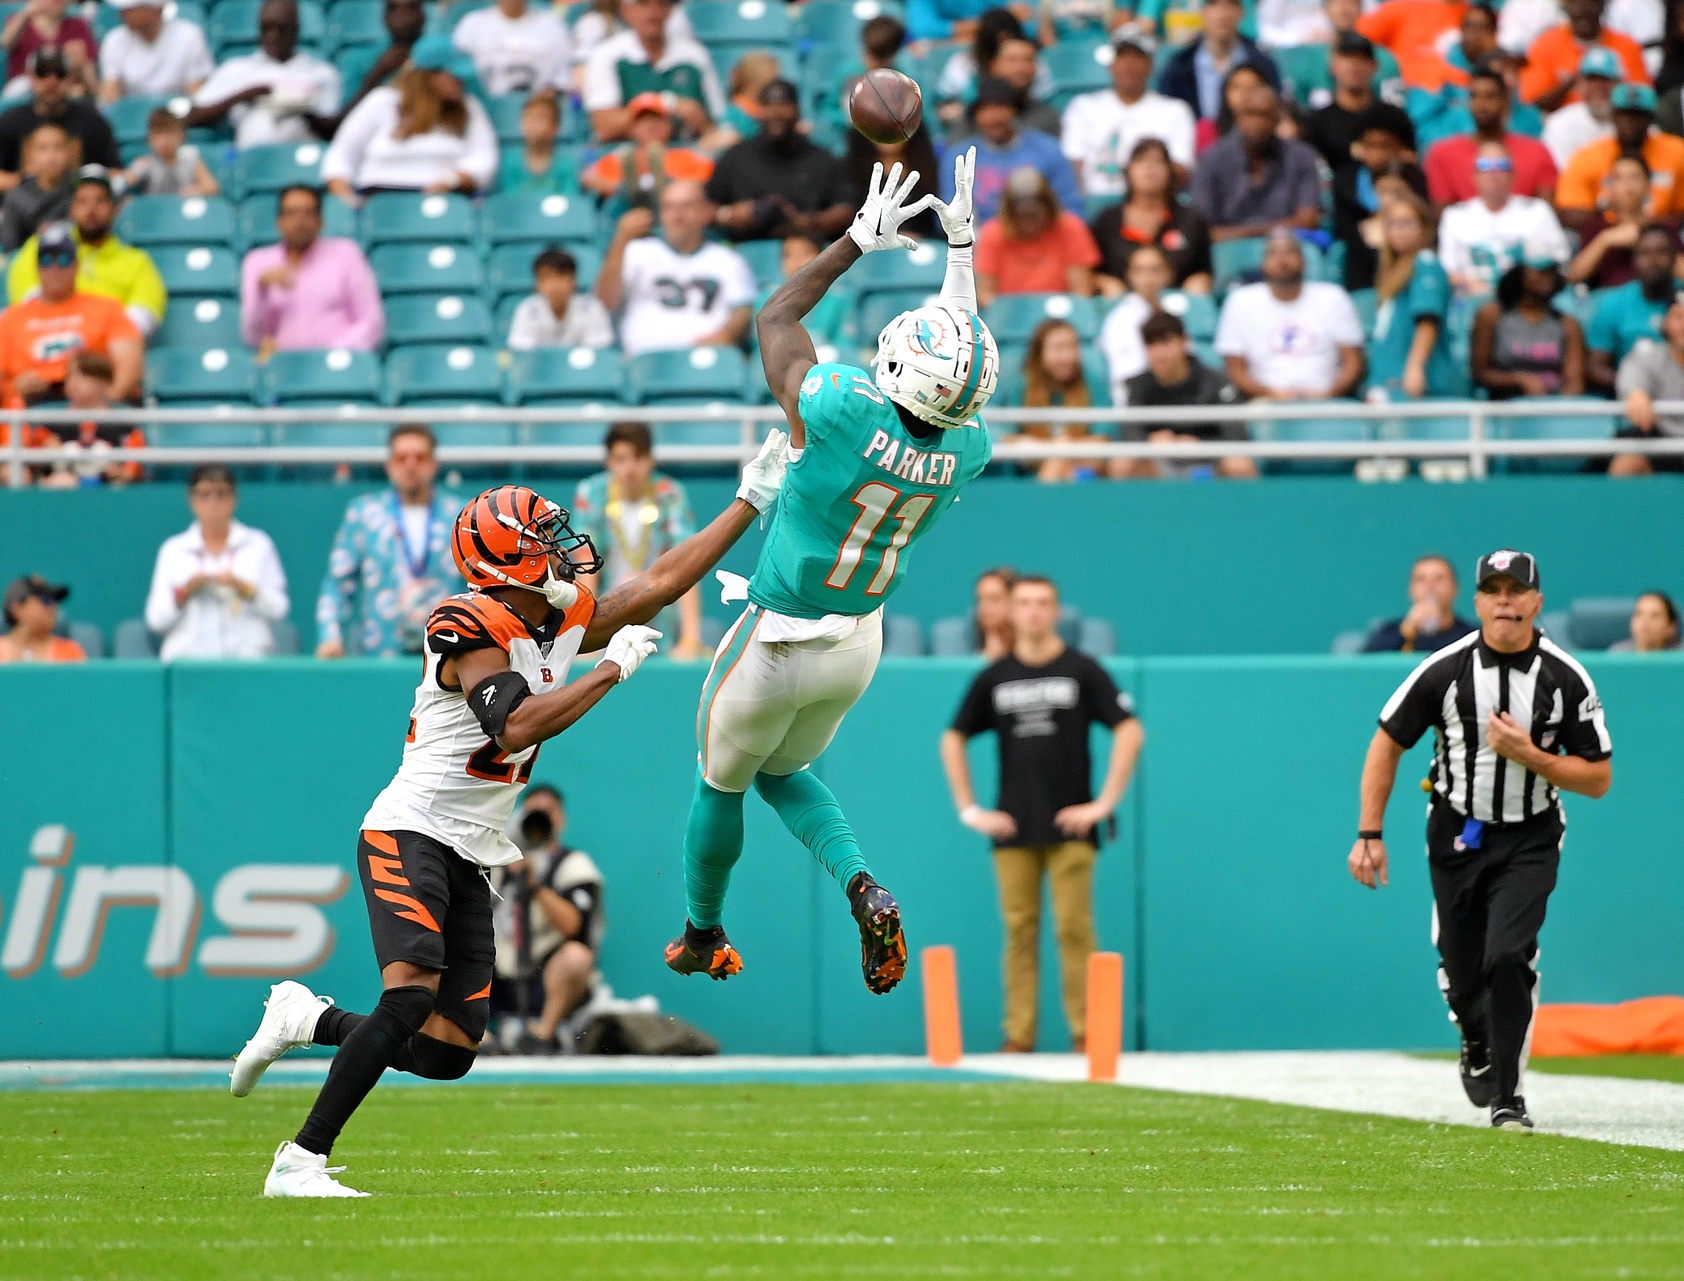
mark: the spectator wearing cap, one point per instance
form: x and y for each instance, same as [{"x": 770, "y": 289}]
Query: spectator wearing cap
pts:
[
  {"x": 1102, "y": 128},
  {"x": 429, "y": 132},
  {"x": 308, "y": 290},
  {"x": 1652, "y": 371},
  {"x": 1551, "y": 77},
  {"x": 1195, "y": 74},
  {"x": 365, "y": 68},
  {"x": 1151, "y": 214},
  {"x": 1432, "y": 621},
  {"x": 517, "y": 47},
  {"x": 779, "y": 183},
  {"x": 1033, "y": 245},
  {"x": 1609, "y": 235},
  {"x": 647, "y": 58},
  {"x": 275, "y": 95},
  {"x": 1174, "y": 377},
  {"x": 1583, "y": 182},
  {"x": 556, "y": 314},
  {"x": 1253, "y": 181},
  {"x": 1332, "y": 130},
  {"x": 1004, "y": 146},
  {"x": 150, "y": 56},
  {"x": 1629, "y": 314},
  {"x": 1449, "y": 163},
  {"x": 1481, "y": 238},
  {"x": 42, "y": 24},
  {"x": 105, "y": 265},
  {"x": 50, "y": 103},
  {"x": 632, "y": 174},
  {"x": 1581, "y": 123},
  {"x": 47, "y": 187},
  {"x": 1287, "y": 338},
  {"x": 31, "y": 609},
  {"x": 218, "y": 587},
  {"x": 1521, "y": 345}
]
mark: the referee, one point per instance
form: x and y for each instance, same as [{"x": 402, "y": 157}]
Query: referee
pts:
[{"x": 1515, "y": 719}]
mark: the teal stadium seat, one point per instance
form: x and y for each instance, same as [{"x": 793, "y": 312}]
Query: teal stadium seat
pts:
[
  {"x": 233, "y": 23},
  {"x": 1077, "y": 67},
  {"x": 216, "y": 375},
  {"x": 1596, "y": 622},
  {"x": 1234, "y": 260},
  {"x": 489, "y": 433},
  {"x": 1197, "y": 312},
  {"x": 1301, "y": 68},
  {"x": 1311, "y": 429},
  {"x": 205, "y": 436},
  {"x": 566, "y": 375},
  {"x": 508, "y": 271},
  {"x": 427, "y": 269},
  {"x": 1447, "y": 428},
  {"x": 504, "y": 110},
  {"x": 527, "y": 218},
  {"x": 1013, "y": 317},
  {"x": 765, "y": 258},
  {"x": 200, "y": 323},
  {"x": 442, "y": 318},
  {"x": 196, "y": 270},
  {"x": 412, "y": 215},
  {"x": 350, "y": 25},
  {"x": 588, "y": 435},
  {"x": 1566, "y": 425},
  {"x": 443, "y": 372},
  {"x": 127, "y": 116},
  {"x": 739, "y": 22},
  {"x": 873, "y": 314},
  {"x": 697, "y": 374},
  {"x": 903, "y": 636},
  {"x": 272, "y": 168},
  {"x": 331, "y": 435},
  {"x": 254, "y": 221},
  {"x": 838, "y": 22},
  {"x": 323, "y": 377},
  {"x": 177, "y": 220},
  {"x": 917, "y": 269}
]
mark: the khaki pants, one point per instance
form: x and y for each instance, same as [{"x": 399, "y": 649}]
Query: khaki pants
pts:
[{"x": 1070, "y": 868}]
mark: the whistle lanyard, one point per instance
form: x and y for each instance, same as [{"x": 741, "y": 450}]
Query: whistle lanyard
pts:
[{"x": 417, "y": 565}]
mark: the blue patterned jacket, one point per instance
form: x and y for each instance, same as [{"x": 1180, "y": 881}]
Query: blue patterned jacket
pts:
[{"x": 370, "y": 602}]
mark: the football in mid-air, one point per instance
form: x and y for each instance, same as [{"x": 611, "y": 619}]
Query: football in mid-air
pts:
[{"x": 886, "y": 106}]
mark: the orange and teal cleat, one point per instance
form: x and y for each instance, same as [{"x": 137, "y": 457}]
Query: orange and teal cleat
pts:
[{"x": 704, "y": 952}]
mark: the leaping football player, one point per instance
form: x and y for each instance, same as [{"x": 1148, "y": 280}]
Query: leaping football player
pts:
[
  {"x": 875, "y": 458},
  {"x": 493, "y": 687}
]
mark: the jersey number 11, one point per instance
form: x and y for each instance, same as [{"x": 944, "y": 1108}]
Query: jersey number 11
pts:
[{"x": 874, "y": 500}]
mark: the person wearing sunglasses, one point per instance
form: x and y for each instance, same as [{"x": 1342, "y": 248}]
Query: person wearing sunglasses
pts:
[
  {"x": 1479, "y": 239},
  {"x": 274, "y": 95},
  {"x": 50, "y": 103}
]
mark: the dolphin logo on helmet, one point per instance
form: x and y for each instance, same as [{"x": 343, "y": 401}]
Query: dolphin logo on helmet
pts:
[{"x": 942, "y": 382}]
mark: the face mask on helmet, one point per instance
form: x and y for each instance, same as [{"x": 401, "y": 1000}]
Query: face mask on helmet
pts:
[
  {"x": 546, "y": 557},
  {"x": 939, "y": 363}
]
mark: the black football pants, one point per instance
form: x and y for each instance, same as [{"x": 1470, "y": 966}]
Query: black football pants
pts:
[{"x": 1488, "y": 908}]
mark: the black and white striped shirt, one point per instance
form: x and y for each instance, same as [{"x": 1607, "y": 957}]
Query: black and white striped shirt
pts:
[{"x": 1455, "y": 691}]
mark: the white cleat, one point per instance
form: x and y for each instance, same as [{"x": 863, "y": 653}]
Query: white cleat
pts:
[
  {"x": 300, "y": 1173},
  {"x": 289, "y": 1020}
]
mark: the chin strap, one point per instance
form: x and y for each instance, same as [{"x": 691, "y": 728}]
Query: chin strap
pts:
[
  {"x": 560, "y": 593},
  {"x": 959, "y": 285}
]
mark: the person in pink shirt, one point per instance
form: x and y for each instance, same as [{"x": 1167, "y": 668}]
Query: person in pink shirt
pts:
[{"x": 308, "y": 291}]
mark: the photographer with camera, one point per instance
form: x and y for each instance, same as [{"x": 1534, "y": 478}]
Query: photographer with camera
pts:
[{"x": 548, "y": 925}]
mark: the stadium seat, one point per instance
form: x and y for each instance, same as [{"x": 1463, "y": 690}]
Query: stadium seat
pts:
[
  {"x": 711, "y": 373},
  {"x": 439, "y": 371},
  {"x": 1097, "y": 638},
  {"x": 508, "y": 271},
  {"x": 414, "y": 215},
  {"x": 564, "y": 375},
  {"x": 272, "y": 168},
  {"x": 234, "y": 23},
  {"x": 1347, "y": 643},
  {"x": 872, "y": 314},
  {"x": 1013, "y": 317},
  {"x": 838, "y": 22},
  {"x": 88, "y": 636},
  {"x": 765, "y": 258},
  {"x": 177, "y": 220},
  {"x": 133, "y": 639},
  {"x": 716, "y": 423},
  {"x": 205, "y": 435},
  {"x": 1564, "y": 426},
  {"x": 488, "y": 434},
  {"x": 739, "y": 22},
  {"x": 323, "y": 377},
  {"x": 447, "y": 318},
  {"x": 921, "y": 268},
  {"x": 1234, "y": 261},
  {"x": 197, "y": 270},
  {"x": 1553, "y": 623},
  {"x": 1077, "y": 67},
  {"x": 523, "y": 217},
  {"x": 1197, "y": 311},
  {"x": 330, "y": 435},
  {"x": 1302, "y": 67},
  {"x": 1447, "y": 428},
  {"x": 200, "y": 323},
  {"x": 952, "y": 638},
  {"x": 1596, "y": 622},
  {"x": 903, "y": 637},
  {"x": 1311, "y": 429},
  {"x": 254, "y": 221},
  {"x": 504, "y": 110},
  {"x": 127, "y": 116},
  {"x": 350, "y": 25},
  {"x": 217, "y": 375},
  {"x": 588, "y": 435},
  {"x": 427, "y": 269}
]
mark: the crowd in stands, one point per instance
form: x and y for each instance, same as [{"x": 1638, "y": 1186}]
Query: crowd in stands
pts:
[{"x": 364, "y": 201}]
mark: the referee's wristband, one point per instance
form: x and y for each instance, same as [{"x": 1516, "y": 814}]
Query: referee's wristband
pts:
[{"x": 1371, "y": 836}]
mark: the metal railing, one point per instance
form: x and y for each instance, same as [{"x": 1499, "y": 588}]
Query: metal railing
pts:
[{"x": 1478, "y": 448}]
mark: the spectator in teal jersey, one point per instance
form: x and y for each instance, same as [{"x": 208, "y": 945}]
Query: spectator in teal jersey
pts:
[
  {"x": 1309, "y": 80},
  {"x": 1633, "y": 310},
  {"x": 825, "y": 321},
  {"x": 537, "y": 166},
  {"x": 1408, "y": 351}
]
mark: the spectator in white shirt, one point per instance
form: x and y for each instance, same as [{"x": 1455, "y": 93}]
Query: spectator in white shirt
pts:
[
  {"x": 1149, "y": 275},
  {"x": 557, "y": 314},
  {"x": 516, "y": 48},
  {"x": 427, "y": 133},
  {"x": 644, "y": 58},
  {"x": 677, "y": 289},
  {"x": 275, "y": 95},
  {"x": 602, "y": 20},
  {"x": 1284, "y": 24},
  {"x": 149, "y": 56},
  {"x": 1101, "y": 128},
  {"x": 1479, "y": 239},
  {"x": 217, "y": 588},
  {"x": 1287, "y": 338},
  {"x": 1581, "y": 123}
]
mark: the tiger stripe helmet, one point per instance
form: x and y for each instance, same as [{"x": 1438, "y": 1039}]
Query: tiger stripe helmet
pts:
[
  {"x": 505, "y": 537},
  {"x": 938, "y": 362}
]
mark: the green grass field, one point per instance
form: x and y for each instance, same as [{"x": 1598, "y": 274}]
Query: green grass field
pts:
[
  {"x": 780, "y": 1181},
  {"x": 1653, "y": 1067}
]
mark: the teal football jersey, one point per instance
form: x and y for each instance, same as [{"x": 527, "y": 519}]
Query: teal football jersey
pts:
[{"x": 863, "y": 492}]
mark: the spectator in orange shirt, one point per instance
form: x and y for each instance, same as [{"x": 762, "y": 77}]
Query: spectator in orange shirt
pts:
[
  {"x": 1551, "y": 77},
  {"x": 1032, "y": 246},
  {"x": 631, "y": 175},
  {"x": 31, "y": 608},
  {"x": 38, "y": 335},
  {"x": 1417, "y": 32},
  {"x": 1584, "y": 182}
]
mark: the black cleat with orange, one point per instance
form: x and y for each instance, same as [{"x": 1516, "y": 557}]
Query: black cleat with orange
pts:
[
  {"x": 882, "y": 945},
  {"x": 704, "y": 952}
]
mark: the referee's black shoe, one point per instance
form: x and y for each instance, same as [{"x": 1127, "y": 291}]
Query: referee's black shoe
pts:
[
  {"x": 1477, "y": 1082},
  {"x": 1511, "y": 1116}
]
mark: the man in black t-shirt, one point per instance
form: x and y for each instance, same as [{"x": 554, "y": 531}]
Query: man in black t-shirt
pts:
[
  {"x": 1173, "y": 377},
  {"x": 51, "y": 103},
  {"x": 779, "y": 183},
  {"x": 1040, "y": 700}
]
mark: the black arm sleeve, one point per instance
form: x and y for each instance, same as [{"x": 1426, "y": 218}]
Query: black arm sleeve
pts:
[
  {"x": 976, "y": 714},
  {"x": 495, "y": 697}
]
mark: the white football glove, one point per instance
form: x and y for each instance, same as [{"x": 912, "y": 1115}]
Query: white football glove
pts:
[
  {"x": 629, "y": 647},
  {"x": 877, "y": 224},
  {"x": 956, "y": 218},
  {"x": 763, "y": 476}
]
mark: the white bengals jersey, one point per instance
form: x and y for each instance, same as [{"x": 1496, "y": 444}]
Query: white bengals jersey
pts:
[{"x": 455, "y": 784}]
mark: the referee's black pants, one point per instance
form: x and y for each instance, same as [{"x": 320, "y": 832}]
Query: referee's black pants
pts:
[{"x": 1488, "y": 908}]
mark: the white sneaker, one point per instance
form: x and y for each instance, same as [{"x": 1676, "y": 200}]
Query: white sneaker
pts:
[
  {"x": 289, "y": 1020},
  {"x": 300, "y": 1173}
]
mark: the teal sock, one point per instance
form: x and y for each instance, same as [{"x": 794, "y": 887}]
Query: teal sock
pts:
[
  {"x": 809, "y": 810},
  {"x": 713, "y": 842}
]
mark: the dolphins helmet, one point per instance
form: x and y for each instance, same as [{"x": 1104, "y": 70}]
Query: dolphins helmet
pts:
[{"x": 938, "y": 362}]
